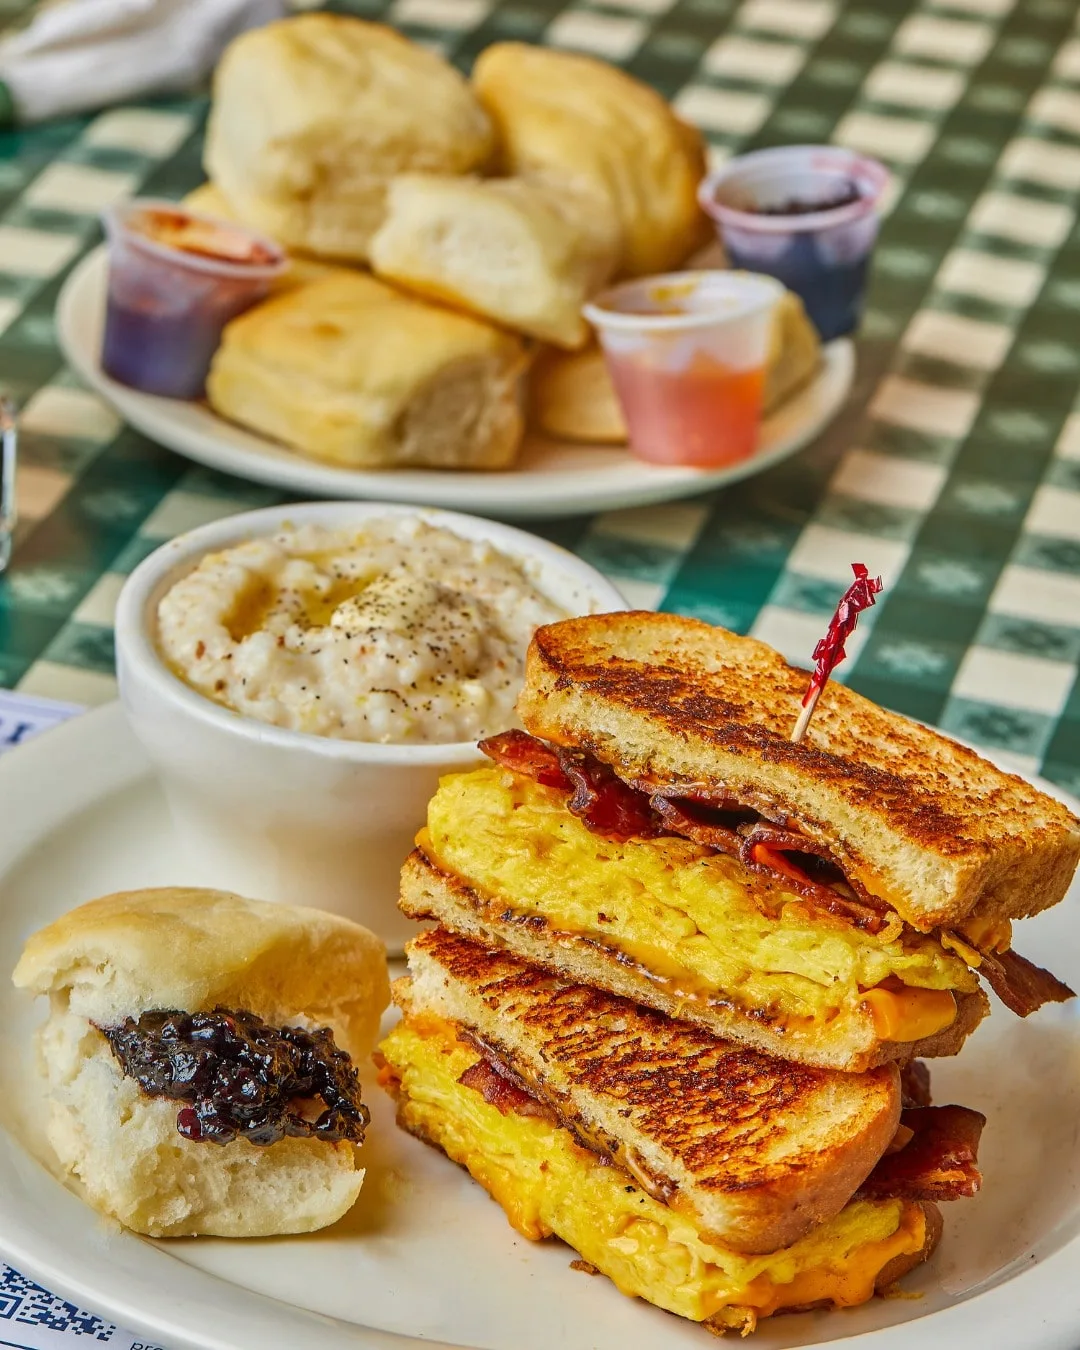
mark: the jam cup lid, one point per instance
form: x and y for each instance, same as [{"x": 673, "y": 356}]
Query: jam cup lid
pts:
[
  {"x": 729, "y": 194},
  {"x": 119, "y": 222},
  {"x": 676, "y": 301}
]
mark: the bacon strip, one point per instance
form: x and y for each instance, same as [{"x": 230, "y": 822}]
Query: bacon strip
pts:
[
  {"x": 687, "y": 819},
  {"x": 915, "y": 1083},
  {"x": 1020, "y": 984},
  {"x": 606, "y": 804},
  {"x": 938, "y": 1163},
  {"x": 524, "y": 754},
  {"x": 762, "y": 840},
  {"x": 498, "y": 1091}
]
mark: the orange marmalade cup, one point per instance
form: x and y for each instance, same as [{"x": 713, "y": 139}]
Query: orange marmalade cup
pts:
[{"x": 686, "y": 353}]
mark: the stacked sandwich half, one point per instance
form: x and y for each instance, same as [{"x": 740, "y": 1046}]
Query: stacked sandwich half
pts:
[{"x": 685, "y": 968}]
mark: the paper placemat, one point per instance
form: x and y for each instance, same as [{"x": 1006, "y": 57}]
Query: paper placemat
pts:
[
  {"x": 33, "y": 1319},
  {"x": 23, "y": 716}
]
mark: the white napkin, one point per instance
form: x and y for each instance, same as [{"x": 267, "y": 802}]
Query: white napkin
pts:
[{"x": 77, "y": 55}]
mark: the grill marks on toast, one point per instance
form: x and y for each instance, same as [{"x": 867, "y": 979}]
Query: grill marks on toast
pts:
[
  {"x": 760, "y": 730},
  {"x": 729, "y": 1114}
]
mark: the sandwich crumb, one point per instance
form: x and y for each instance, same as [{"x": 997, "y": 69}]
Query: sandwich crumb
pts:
[{"x": 896, "y": 1290}]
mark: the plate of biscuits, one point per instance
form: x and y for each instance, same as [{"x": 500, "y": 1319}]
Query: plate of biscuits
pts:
[{"x": 419, "y": 336}]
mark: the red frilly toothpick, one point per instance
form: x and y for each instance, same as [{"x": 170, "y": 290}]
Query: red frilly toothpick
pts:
[{"x": 830, "y": 650}]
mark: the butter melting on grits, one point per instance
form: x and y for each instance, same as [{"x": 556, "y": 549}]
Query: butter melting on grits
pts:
[
  {"x": 549, "y": 1185},
  {"x": 669, "y": 904}
]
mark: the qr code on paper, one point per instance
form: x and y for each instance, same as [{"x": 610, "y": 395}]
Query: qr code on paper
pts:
[
  {"x": 26, "y": 1304},
  {"x": 23, "y": 717}
]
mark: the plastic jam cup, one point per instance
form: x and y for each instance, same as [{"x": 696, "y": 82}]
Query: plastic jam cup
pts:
[
  {"x": 686, "y": 353},
  {"x": 807, "y": 215},
  {"x": 175, "y": 280}
]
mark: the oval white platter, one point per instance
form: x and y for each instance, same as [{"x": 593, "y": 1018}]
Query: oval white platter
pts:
[
  {"x": 552, "y": 478},
  {"x": 425, "y": 1256}
]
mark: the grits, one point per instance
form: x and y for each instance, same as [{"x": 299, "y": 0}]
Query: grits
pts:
[{"x": 396, "y": 632}]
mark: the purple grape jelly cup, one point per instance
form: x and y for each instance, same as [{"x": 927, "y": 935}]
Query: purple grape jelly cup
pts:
[
  {"x": 807, "y": 215},
  {"x": 168, "y": 302}
]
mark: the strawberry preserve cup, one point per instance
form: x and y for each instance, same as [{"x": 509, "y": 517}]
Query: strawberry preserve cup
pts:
[
  {"x": 686, "y": 353},
  {"x": 807, "y": 215},
  {"x": 175, "y": 280}
]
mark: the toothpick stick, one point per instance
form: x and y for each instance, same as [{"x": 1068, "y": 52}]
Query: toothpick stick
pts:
[{"x": 830, "y": 650}]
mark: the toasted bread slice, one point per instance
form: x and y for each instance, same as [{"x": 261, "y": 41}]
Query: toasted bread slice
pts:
[
  {"x": 925, "y": 825},
  {"x": 851, "y": 1043},
  {"x": 759, "y": 1151},
  {"x": 548, "y": 1185}
]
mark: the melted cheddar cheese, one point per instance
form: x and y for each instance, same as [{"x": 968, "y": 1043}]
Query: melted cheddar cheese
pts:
[
  {"x": 548, "y": 1185},
  {"x": 988, "y": 935},
  {"x": 910, "y": 1014},
  {"x": 684, "y": 914}
]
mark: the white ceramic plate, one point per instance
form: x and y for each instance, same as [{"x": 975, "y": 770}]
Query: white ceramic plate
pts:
[
  {"x": 425, "y": 1255},
  {"x": 553, "y": 478}
]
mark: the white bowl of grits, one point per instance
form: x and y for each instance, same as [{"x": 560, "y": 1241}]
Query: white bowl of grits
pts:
[{"x": 302, "y": 676}]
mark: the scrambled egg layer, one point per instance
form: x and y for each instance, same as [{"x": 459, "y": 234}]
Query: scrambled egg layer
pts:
[
  {"x": 548, "y": 1185},
  {"x": 677, "y": 910}
]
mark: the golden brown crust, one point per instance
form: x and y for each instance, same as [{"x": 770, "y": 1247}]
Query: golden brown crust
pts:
[
  {"x": 759, "y": 1150},
  {"x": 900, "y": 1266},
  {"x": 928, "y": 826},
  {"x": 427, "y": 892}
]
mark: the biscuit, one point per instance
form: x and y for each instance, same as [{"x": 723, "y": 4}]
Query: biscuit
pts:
[
  {"x": 523, "y": 254},
  {"x": 195, "y": 950},
  {"x": 583, "y": 124},
  {"x": 352, "y": 371},
  {"x": 313, "y": 115}
]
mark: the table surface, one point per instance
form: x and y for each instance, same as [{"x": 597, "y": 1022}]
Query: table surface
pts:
[{"x": 954, "y": 470}]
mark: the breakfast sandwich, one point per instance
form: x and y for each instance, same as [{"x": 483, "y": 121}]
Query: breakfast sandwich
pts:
[
  {"x": 655, "y": 833},
  {"x": 200, "y": 1059},
  {"x": 703, "y": 1176}
]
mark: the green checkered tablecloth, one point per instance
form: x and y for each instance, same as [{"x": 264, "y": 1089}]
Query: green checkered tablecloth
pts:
[{"x": 954, "y": 470}]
